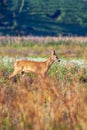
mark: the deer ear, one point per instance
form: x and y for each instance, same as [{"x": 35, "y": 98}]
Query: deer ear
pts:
[
  {"x": 48, "y": 52},
  {"x": 52, "y": 51}
]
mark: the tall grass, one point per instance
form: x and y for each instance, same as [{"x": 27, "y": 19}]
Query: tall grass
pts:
[
  {"x": 66, "y": 47},
  {"x": 58, "y": 102}
]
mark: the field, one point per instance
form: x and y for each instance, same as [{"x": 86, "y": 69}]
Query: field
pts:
[{"x": 58, "y": 102}]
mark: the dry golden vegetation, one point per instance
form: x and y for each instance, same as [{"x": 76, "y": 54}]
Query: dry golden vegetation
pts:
[
  {"x": 58, "y": 102},
  {"x": 67, "y": 47}
]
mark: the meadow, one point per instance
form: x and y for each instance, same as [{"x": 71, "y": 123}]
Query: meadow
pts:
[{"x": 58, "y": 102}]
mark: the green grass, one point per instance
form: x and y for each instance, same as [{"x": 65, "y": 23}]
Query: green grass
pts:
[
  {"x": 57, "y": 102},
  {"x": 74, "y": 50}
]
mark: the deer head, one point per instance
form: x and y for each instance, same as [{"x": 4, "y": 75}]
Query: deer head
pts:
[{"x": 54, "y": 57}]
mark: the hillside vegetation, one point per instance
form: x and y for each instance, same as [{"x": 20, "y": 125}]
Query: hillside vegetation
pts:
[{"x": 43, "y": 17}]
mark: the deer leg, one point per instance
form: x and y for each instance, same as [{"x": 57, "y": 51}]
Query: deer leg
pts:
[
  {"x": 14, "y": 73},
  {"x": 43, "y": 76},
  {"x": 23, "y": 74}
]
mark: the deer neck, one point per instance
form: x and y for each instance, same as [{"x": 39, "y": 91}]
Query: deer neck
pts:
[{"x": 50, "y": 62}]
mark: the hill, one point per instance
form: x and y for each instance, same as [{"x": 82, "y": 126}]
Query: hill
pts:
[{"x": 43, "y": 17}]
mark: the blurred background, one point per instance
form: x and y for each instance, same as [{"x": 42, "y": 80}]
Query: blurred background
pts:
[{"x": 43, "y": 17}]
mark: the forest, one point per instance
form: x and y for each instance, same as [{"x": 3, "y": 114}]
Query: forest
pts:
[{"x": 43, "y": 18}]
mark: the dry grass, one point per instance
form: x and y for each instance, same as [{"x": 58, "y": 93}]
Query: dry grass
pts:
[
  {"x": 37, "y": 39},
  {"x": 58, "y": 102},
  {"x": 44, "y": 104},
  {"x": 66, "y": 47}
]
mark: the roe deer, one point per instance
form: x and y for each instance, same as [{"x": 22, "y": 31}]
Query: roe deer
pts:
[{"x": 39, "y": 68}]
